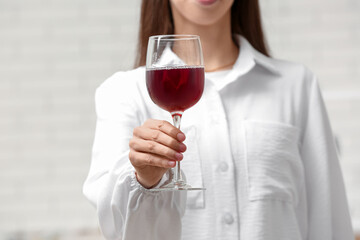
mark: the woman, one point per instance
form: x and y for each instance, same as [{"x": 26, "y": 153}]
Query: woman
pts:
[{"x": 259, "y": 140}]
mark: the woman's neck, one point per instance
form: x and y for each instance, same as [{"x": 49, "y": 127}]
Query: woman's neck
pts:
[{"x": 219, "y": 50}]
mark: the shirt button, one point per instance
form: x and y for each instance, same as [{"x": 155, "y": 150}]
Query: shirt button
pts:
[
  {"x": 228, "y": 218},
  {"x": 223, "y": 166}
]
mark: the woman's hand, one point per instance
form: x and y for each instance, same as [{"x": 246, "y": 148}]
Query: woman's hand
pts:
[{"x": 154, "y": 148}]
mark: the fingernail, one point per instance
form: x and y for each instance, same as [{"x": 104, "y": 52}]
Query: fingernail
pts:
[
  {"x": 180, "y": 137},
  {"x": 178, "y": 156},
  {"x": 182, "y": 147},
  {"x": 171, "y": 163}
]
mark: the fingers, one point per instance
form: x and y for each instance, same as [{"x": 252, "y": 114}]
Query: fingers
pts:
[
  {"x": 166, "y": 128},
  {"x": 159, "y": 137},
  {"x": 140, "y": 159},
  {"x": 156, "y": 143},
  {"x": 145, "y": 146}
]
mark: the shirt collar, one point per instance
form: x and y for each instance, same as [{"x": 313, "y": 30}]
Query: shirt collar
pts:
[
  {"x": 249, "y": 57},
  {"x": 246, "y": 61}
]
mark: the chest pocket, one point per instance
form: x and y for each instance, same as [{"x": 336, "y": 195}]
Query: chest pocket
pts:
[
  {"x": 191, "y": 168},
  {"x": 273, "y": 161}
]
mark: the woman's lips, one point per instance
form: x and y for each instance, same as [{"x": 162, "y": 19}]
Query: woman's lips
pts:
[{"x": 206, "y": 2}]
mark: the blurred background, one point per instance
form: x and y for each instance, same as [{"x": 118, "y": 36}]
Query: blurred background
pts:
[{"x": 53, "y": 55}]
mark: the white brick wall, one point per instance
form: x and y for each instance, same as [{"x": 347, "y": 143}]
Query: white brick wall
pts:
[{"x": 54, "y": 53}]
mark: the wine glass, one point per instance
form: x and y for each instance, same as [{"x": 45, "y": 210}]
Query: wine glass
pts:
[{"x": 175, "y": 82}]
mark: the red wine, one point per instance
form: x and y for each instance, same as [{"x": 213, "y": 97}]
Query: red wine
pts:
[{"x": 175, "y": 89}]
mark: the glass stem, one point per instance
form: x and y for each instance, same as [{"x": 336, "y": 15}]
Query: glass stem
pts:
[{"x": 177, "y": 173}]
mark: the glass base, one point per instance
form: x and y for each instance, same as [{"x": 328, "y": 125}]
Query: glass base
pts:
[{"x": 176, "y": 186}]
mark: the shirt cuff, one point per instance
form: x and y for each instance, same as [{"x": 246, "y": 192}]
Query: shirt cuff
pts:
[{"x": 166, "y": 178}]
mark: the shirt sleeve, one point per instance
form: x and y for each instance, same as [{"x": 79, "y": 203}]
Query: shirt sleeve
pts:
[
  {"x": 328, "y": 214},
  {"x": 125, "y": 209}
]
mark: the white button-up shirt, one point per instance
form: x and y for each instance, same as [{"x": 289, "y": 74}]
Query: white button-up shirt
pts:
[{"x": 259, "y": 141}]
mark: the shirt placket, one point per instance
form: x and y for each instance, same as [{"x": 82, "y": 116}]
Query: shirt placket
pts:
[{"x": 222, "y": 168}]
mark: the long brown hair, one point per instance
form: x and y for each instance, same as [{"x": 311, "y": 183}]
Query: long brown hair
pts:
[{"x": 156, "y": 19}]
